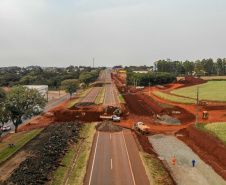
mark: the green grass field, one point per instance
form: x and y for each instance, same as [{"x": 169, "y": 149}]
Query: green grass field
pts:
[
  {"x": 219, "y": 129},
  {"x": 19, "y": 139},
  {"x": 173, "y": 98},
  {"x": 212, "y": 91}
]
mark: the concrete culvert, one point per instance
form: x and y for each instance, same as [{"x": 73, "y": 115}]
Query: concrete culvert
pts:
[{"x": 108, "y": 126}]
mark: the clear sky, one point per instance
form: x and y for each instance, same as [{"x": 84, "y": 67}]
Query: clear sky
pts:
[{"x": 115, "y": 32}]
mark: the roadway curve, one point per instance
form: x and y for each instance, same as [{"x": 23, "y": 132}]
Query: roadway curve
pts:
[{"x": 115, "y": 159}]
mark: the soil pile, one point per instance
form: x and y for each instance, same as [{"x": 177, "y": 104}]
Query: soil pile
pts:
[
  {"x": 46, "y": 151},
  {"x": 82, "y": 104},
  {"x": 190, "y": 80},
  {"x": 169, "y": 119},
  {"x": 73, "y": 115},
  {"x": 108, "y": 126}
]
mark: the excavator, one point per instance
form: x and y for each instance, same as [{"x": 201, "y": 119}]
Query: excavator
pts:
[
  {"x": 205, "y": 115},
  {"x": 202, "y": 103}
]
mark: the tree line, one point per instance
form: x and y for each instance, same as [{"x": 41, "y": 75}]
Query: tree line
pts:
[
  {"x": 205, "y": 67},
  {"x": 35, "y": 75},
  {"x": 144, "y": 79}
]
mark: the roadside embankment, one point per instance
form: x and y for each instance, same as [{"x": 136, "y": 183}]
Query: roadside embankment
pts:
[{"x": 209, "y": 148}]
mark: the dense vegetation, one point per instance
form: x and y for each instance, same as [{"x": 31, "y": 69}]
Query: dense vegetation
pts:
[
  {"x": 143, "y": 79},
  {"x": 205, "y": 67},
  {"x": 35, "y": 75}
]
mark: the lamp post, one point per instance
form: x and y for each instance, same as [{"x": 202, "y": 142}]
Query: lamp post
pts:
[
  {"x": 197, "y": 109},
  {"x": 149, "y": 87}
]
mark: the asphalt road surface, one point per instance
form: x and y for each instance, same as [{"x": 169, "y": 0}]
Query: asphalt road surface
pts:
[
  {"x": 51, "y": 104},
  {"x": 110, "y": 97},
  {"x": 114, "y": 160},
  {"x": 91, "y": 96}
]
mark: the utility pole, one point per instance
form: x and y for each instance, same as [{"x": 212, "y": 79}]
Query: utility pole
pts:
[
  {"x": 149, "y": 87},
  {"x": 93, "y": 62},
  {"x": 197, "y": 110}
]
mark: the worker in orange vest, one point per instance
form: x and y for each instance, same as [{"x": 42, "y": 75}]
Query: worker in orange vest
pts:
[{"x": 174, "y": 160}]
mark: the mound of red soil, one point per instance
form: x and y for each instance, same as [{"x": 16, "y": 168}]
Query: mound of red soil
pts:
[
  {"x": 183, "y": 115},
  {"x": 190, "y": 81},
  {"x": 108, "y": 126},
  {"x": 209, "y": 148},
  {"x": 71, "y": 115}
]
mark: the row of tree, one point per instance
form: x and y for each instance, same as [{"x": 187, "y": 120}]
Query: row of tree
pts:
[
  {"x": 37, "y": 76},
  {"x": 20, "y": 102},
  {"x": 144, "y": 79},
  {"x": 200, "y": 67}
]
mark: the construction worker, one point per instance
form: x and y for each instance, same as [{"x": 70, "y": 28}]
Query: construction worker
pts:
[
  {"x": 174, "y": 160},
  {"x": 193, "y": 162},
  {"x": 158, "y": 117}
]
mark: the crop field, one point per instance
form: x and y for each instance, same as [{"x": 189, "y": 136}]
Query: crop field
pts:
[
  {"x": 173, "y": 98},
  {"x": 219, "y": 129},
  {"x": 212, "y": 91}
]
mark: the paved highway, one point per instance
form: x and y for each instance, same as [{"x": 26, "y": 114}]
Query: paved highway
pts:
[
  {"x": 115, "y": 160},
  {"x": 110, "y": 93},
  {"x": 110, "y": 97},
  {"x": 91, "y": 96},
  {"x": 47, "y": 107}
]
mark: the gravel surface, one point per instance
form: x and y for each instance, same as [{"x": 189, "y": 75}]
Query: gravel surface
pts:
[
  {"x": 183, "y": 172},
  {"x": 169, "y": 119}
]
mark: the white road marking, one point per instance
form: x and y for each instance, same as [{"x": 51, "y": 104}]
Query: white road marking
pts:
[
  {"x": 111, "y": 164},
  {"x": 129, "y": 159},
  {"x": 93, "y": 160}
]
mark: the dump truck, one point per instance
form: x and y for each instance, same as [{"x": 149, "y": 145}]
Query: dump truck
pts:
[
  {"x": 110, "y": 117},
  {"x": 142, "y": 128}
]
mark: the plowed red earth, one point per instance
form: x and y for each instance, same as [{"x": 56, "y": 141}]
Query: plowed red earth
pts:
[{"x": 142, "y": 108}]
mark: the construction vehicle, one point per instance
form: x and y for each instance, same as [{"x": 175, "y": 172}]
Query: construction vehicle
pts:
[
  {"x": 142, "y": 128},
  {"x": 110, "y": 117},
  {"x": 201, "y": 102},
  {"x": 118, "y": 112},
  {"x": 205, "y": 115}
]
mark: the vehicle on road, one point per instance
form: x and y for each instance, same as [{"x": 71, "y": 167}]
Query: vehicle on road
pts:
[
  {"x": 6, "y": 128},
  {"x": 110, "y": 117},
  {"x": 38, "y": 110},
  {"x": 142, "y": 128}
]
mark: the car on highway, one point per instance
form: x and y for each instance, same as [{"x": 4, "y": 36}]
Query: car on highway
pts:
[
  {"x": 37, "y": 110},
  {"x": 6, "y": 128}
]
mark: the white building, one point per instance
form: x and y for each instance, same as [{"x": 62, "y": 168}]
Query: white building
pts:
[{"x": 42, "y": 89}]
